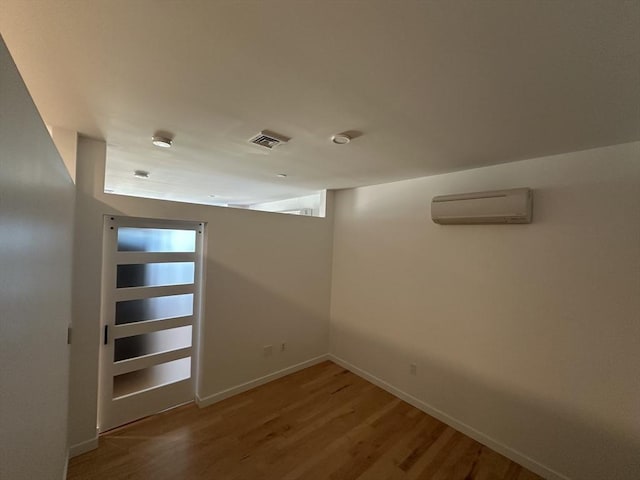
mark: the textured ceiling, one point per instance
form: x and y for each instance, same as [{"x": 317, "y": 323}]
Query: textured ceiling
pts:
[{"x": 432, "y": 86}]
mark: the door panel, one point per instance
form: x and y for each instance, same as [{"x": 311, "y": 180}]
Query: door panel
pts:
[
  {"x": 156, "y": 308},
  {"x": 154, "y": 274},
  {"x": 150, "y": 308}
]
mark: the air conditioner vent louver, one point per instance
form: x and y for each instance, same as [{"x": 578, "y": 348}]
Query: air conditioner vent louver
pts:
[
  {"x": 265, "y": 141},
  {"x": 268, "y": 139}
]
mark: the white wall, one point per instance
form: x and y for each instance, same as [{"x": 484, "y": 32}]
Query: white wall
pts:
[
  {"x": 315, "y": 203},
  {"x": 36, "y": 215},
  {"x": 66, "y": 141},
  {"x": 529, "y": 334},
  {"x": 268, "y": 280}
]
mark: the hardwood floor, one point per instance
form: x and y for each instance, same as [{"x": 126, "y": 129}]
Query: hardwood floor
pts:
[{"x": 320, "y": 423}]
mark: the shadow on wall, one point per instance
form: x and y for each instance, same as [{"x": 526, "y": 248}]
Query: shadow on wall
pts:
[
  {"x": 244, "y": 315},
  {"x": 551, "y": 434}
]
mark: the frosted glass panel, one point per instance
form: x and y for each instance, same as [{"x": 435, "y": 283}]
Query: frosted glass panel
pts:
[
  {"x": 155, "y": 240},
  {"x": 148, "y": 343},
  {"x": 155, "y": 274},
  {"x": 155, "y": 376},
  {"x": 132, "y": 311}
]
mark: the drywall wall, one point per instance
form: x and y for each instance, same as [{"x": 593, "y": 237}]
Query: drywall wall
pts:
[
  {"x": 528, "y": 334},
  {"x": 268, "y": 280},
  {"x": 36, "y": 234},
  {"x": 315, "y": 203},
  {"x": 66, "y": 141}
]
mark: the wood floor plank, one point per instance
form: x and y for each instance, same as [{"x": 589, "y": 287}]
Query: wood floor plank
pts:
[{"x": 317, "y": 424}]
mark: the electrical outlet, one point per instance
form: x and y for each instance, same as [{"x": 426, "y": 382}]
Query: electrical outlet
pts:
[
  {"x": 413, "y": 369},
  {"x": 267, "y": 350},
  {"x": 283, "y": 346}
]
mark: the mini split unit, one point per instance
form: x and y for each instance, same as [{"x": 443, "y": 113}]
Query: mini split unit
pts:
[{"x": 499, "y": 206}]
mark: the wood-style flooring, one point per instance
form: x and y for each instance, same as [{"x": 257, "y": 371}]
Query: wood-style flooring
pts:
[{"x": 320, "y": 423}]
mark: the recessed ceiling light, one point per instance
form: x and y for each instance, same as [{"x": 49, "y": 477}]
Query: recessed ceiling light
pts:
[
  {"x": 282, "y": 175},
  {"x": 341, "y": 139},
  {"x": 141, "y": 174},
  {"x": 161, "y": 141}
]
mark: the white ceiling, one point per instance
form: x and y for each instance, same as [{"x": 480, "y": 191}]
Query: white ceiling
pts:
[{"x": 432, "y": 86}]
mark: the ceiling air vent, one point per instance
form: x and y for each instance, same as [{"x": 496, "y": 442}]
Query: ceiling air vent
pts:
[{"x": 269, "y": 139}]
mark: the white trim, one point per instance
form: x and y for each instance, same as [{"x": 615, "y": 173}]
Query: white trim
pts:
[
  {"x": 230, "y": 392},
  {"x": 83, "y": 447},
  {"x": 141, "y": 293},
  {"x": 146, "y": 361},
  {"x": 151, "y": 326},
  {"x": 128, "y": 258},
  {"x": 200, "y": 278},
  {"x": 468, "y": 430},
  {"x": 462, "y": 427},
  {"x": 159, "y": 223}
]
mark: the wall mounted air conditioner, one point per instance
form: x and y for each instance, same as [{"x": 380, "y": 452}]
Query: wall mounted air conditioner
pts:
[{"x": 499, "y": 206}]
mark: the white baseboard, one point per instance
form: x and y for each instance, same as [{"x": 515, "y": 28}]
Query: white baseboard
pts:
[
  {"x": 508, "y": 452},
  {"x": 83, "y": 447},
  {"x": 462, "y": 427},
  {"x": 230, "y": 392}
]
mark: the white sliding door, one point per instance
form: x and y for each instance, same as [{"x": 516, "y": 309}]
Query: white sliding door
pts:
[{"x": 150, "y": 316}]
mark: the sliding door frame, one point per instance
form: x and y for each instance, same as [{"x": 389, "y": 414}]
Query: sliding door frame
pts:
[{"x": 109, "y": 293}]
